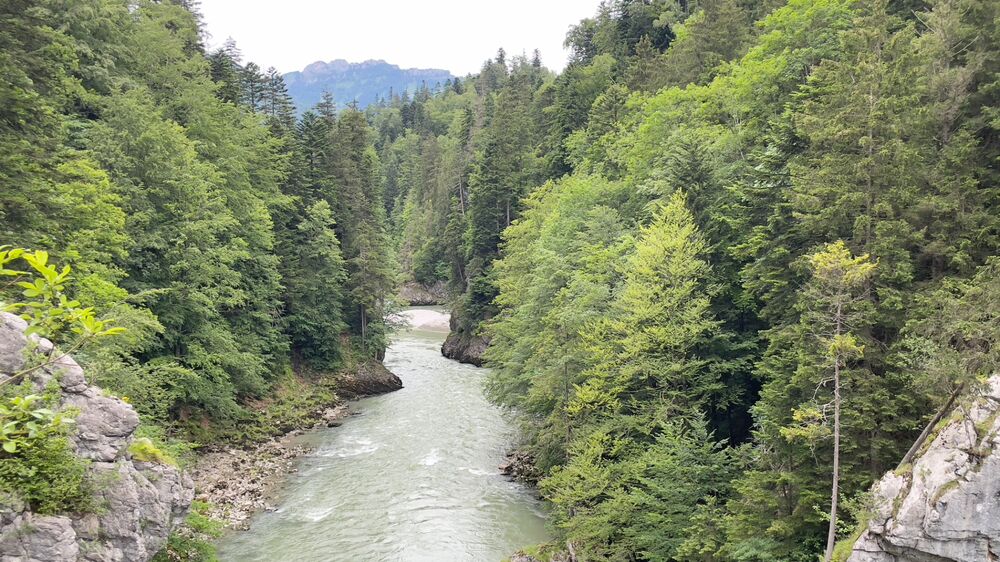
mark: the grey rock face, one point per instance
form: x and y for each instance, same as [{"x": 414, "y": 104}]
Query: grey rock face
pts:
[
  {"x": 140, "y": 502},
  {"x": 42, "y": 538},
  {"x": 423, "y": 295},
  {"x": 12, "y": 343},
  {"x": 947, "y": 507},
  {"x": 463, "y": 346},
  {"x": 368, "y": 379},
  {"x": 104, "y": 425}
]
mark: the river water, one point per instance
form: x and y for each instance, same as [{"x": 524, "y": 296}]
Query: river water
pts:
[{"x": 412, "y": 478}]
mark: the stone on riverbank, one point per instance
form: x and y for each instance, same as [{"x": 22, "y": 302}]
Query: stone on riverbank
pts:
[
  {"x": 520, "y": 465},
  {"x": 367, "y": 379},
  {"x": 237, "y": 483}
]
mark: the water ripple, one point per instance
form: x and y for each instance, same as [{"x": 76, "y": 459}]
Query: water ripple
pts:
[{"x": 412, "y": 479}]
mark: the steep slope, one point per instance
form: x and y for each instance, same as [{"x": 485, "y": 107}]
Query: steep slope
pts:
[{"x": 362, "y": 82}]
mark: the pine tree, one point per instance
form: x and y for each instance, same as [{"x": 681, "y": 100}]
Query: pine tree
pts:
[
  {"x": 362, "y": 229},
  {"x": 316, "y": 276},
  {"x": 835, "y": 303}
]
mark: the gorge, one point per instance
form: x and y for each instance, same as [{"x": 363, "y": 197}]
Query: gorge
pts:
[{"x": 731, "y": 269}]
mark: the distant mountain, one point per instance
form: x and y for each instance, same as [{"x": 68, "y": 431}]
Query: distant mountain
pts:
[{"x": 362, "y": 82}]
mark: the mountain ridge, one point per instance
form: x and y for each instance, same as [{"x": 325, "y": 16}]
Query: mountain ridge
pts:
[{"x": 362, "y": 82}]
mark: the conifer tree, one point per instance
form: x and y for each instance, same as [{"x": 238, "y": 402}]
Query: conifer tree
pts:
[
  {"x": 644, "y": 349},
  {"x": 315, "y": 288},
  {"x": 834, "y": 303}
]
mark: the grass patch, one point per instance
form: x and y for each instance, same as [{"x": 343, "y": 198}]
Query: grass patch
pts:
[
  {"x": 842, "y": 550},
  {"x": 944, "y": 489},
  {"x": 142, "y": 449},
  {"x": 192, "y": 541},
  {"x": 293, "y": 403}
]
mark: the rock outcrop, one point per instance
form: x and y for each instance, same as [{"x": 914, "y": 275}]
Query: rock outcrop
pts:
[
  {"x": 368, "y": 379},
  {"x": 416, "y": 294},
  {"x": 464, "y": 346},
  {"x": 139, "y": 502},
  {"x": 946, "y": 506}
]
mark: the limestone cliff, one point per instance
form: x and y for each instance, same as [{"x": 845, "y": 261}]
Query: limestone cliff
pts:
[
  {"x": 946, "y": 506},
  {"x": 139, "y": 502}
]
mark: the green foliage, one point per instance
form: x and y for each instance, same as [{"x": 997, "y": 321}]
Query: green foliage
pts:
[
  {"x": 619, "y": 499},
  {"x": 642, "y": 350},
  {"x": 315, "y": 293},
  {"x": 142, "y": 449},
  {"x": 809, "y": 128},
  {"x": 192, "y": 542},
  {"x": 161, "y": 176},
  {"x": 38, "y": 469},
  {"x": 574, "y": 217},
  {"x": 294, "y": 403},
  {"x": 22, "y": 423},
  {"x": 44, "y": 304}
]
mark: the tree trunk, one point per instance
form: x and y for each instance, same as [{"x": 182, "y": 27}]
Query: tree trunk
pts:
[
  {"x": 364, "y": 331},
  {"x": 908, "y": 457},
  {"x": 831, "y": 535}
]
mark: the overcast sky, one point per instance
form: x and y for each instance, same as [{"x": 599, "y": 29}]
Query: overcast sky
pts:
[{"x": 457, "y": 35}]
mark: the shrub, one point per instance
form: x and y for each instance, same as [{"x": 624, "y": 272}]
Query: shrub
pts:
[
  {"x": 142, "y": 449},
  {"x": 192, "y": 541},
  {"x": 45, "y": 476}
]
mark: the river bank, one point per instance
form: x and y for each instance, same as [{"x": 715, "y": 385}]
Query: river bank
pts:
[
  {"x": 242, "y": 479},
  {"x": 238, "y": 482}
]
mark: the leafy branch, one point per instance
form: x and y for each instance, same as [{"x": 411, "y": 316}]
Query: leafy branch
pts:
[{"x": 46, "y": 308}]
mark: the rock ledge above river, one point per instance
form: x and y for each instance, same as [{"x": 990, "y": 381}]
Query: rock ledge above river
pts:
[
  {"x": 367, "y": 379},
  {"x": 464, "y": 346},
  {"x": 141, "y": 501}
]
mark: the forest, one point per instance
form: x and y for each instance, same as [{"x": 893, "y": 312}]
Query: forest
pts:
[{"x": 736, "y": 255}]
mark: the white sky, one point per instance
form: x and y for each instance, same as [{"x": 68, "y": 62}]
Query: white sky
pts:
[{"x": 455, "y": 35}]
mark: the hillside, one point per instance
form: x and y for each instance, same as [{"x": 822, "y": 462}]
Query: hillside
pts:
[{"x": 364, "y": 81}]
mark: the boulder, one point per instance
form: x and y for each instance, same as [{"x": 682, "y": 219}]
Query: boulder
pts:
[
  {"x": 946, "y": 506},
  {"x": 140, "y": 501},
  {"x": 367, "y": 379}
]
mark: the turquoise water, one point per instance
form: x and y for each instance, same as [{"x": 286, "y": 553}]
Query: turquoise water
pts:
[{"x": 412, "y": 478}]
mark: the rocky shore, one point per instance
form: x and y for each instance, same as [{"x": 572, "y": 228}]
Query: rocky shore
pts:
[
  {"x": 520, "y": 466},
  {"x": 238, "y": 482}
]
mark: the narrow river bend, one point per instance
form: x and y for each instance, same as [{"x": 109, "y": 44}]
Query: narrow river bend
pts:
[{"x": 412, "y": 478}]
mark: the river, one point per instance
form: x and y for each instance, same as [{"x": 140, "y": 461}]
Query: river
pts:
[{"x": 413, "y": 477}]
